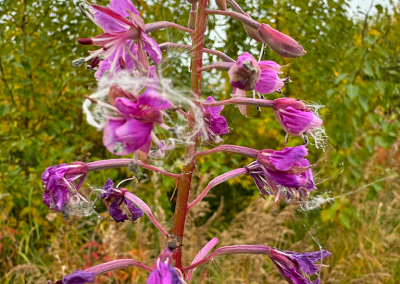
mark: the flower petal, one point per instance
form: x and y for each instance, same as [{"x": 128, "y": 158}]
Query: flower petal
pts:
[
  {"x": 298, "y": 121},
  {"x": 109, "y": 23},
  {"x": 134, "y": 133},
  {"x": 135, "y": 211},
  {"x": 285, "y": 159},
  {"x": 269, "y": 82},
  {"x": 154, "y": 100},
  {"x": 121, "y": 7},
  {"x": 214, "y": 111},
  {"x": 79, "y": 277},
  {"x": 126, "y": 106},
  {"x": 238, "y": 93},
  {"x": 219, "y": 125},
  {"x": 116, "y": 212},
  {"x": 152, "y": 48}
]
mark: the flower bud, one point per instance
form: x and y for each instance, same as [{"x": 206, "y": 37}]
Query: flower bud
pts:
[
  {"x": 280, "y": 43},
  {"x": 245, "y": 73},
  {"x": 221, "y": 4}
]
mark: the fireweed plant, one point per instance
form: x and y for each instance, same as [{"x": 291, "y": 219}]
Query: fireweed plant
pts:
[{"x": 134, "y": 107}]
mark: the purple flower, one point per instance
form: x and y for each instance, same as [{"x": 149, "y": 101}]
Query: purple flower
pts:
[
  {"x": 164, "y": 272},
  {"x": 118, "y": 39},
  {"x": 79, "y": 277},
  {"x": 297, "y": 267},
  {"x": 247, "y": 74},
  {"x": 59, "y": 183},
  {"x": 132, "y": 130},
  {"x": 216, "y": 122},
  {"x": 256, "y": 172},
  {"x": 287, "y": 172},
  {"x": 133, "y": 213},
  {"x": 295, "y": 117}
]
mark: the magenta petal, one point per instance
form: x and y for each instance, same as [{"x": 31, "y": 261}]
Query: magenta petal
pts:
[
  {"x": 153, "y": 81},
  {"x": 146, "y": 146},
  {"x": 214, "y": 111},
  {"x": 219, "y": 125},
  {"x": 79, "y": 277},
  {"x": 120, "y": 7},
  {"x": 107, "y": 23},
  {"x": 152, "y": 48},
  {"x": 134, "y": 133},
  {"x": 269, "y": 82},
  {"x": 103, "y": 67},
  {"x": 298, "y": 121},
  {"x": 307, "y": 175},
  {"x": 112, "y": 142},
  {"x": 285, "y": 159},
  {"x": 267, "y": 64},
  {"x": 125, "y": 106},
  {"x": 286, "y": 180},
  {"x": 154, "y": 100}
]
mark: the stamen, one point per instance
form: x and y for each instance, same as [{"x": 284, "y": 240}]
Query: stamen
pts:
[
  {"x": 132, "y": 178},
  {"x": 78, "y": 62}
]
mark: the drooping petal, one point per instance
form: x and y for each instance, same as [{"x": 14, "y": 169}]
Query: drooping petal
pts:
[
  {"x": 79, "y": 277},
  {"x": 116, "y": 211},
  {"x": 108, "y": 188},
  {"x": 307, "y": 175},
  {"x": 269, "y": 82},
  {"x": 298, "y": 121},
  {"x": 135, "y": 211},
  {"x": 152, "y": 48},
  {"x": 126, "y": 106},
  {"x": 294, "y": 181},
  {"x": 219, "y": 125},
  {"x": 285, "y": 159},
  {"x": 238, "y": 93},
  {"x": 214, "y": 111},
  {"x": 307, "y": 260},
  {"x": 112, "y": 142}
]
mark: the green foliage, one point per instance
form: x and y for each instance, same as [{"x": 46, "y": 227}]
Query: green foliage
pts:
[{"x": 351, "y": 67}]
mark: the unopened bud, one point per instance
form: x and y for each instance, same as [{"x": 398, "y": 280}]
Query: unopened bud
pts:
[
  {"x": 245, "y": 73},
  {"x": 283, "y": 103},
  {"x": 221, "y": 4},
  {"x": 280, "y": 43},
  {"x": 192, "y": 19},
  {"x": 85, "y": 41}
]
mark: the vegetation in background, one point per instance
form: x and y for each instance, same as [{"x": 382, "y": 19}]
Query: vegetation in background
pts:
[{"x": 352, "y": 67}]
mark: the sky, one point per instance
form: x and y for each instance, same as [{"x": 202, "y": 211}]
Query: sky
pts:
[{"x": 365, "y": 4}]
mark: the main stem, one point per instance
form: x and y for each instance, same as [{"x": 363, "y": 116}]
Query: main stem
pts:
[{"x": 187, "y": 171}]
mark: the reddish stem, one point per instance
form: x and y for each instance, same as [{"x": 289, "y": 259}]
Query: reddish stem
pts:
[{"x": 187, "y": 171}]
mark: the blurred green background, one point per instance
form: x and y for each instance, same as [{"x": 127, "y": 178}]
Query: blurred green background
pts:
[{"x": 352, "y": 68}]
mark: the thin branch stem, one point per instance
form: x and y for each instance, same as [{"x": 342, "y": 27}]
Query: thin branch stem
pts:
[
  {"x": 146, "y": 209},
  {"x": 224, "y": 66},
  {"x": 242, "y": 101},
  {"x": 249, "y": 152},
  {"x": 218, "y": 180},
  {"x": 165, "y": 24},
  {"x": 251, "y": 249},
  {"x": 240, "y": 17},
  {"x": 123, "y": 163},
  {"x": 220, "y": 54},
  {"x": 117, "y": 264},
  {"x": 235, "y": 6}
]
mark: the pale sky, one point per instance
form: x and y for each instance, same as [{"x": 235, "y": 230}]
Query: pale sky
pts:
[{"x": 364, "y": 4}]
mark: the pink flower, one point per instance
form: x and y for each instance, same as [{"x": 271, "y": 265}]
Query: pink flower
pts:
[
  {"x": 295, "y": 117},
  {"x": 119, "y": 50}
]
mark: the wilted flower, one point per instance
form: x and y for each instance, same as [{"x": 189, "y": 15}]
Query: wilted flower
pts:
[
  {"x": 164, "y": 272},
  {"x": 133, "y": 213},
  {"x": 59, "y": 184},
  {"x": 76, "y": 277},
  {"x": 119, "y": 50},
  {"x": 131, "y": 131},
  {"x": 287, "y": 172},
  {"x": 282, "y": 44},
  {"x": 216, "y": 122},
  {"x": 295, "y": 117},
  {"x": 295, "y": 267}
]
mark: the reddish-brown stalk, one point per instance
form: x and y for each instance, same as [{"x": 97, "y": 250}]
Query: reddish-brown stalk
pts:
[{"x": 187, "y": 171}]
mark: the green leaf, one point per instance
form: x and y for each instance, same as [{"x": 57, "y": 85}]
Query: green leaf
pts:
[
  {"x": 368, "y": 68},
  {"x": 363, "y": 101},
  {"x": 352, "y": 91},
  {"x": 379, "y": 8},
  {"x": 345, "y": 220},
  {"x": 329, "y": 93},
  {"x": 340, "y": 77}
]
